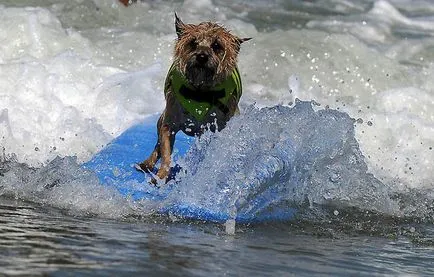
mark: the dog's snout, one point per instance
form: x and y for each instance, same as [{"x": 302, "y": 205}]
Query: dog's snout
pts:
[{"x": 202, "y": 58}]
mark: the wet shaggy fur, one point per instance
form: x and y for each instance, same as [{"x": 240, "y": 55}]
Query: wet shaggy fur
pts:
[{"x": 212, "y": 40}]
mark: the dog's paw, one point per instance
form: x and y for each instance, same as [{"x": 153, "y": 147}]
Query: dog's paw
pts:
[
  {"x": 154, "y": 182},
  {"x": 144, "y": 167},
  {"x": 139, "y": 168},
  {"x": 163, "y": 173},
  {"x": 157, "y": 181}
]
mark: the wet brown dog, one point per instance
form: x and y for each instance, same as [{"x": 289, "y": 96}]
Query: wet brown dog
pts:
[{"x": 202, "y": 88}]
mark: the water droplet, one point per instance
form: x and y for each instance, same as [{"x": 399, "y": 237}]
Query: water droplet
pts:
[{"x": 230, "y": 226}]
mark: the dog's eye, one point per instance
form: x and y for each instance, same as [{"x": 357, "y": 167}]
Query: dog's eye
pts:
[
  {"x": 216, "y": 46},
  {"x": 193, "y": 44}
]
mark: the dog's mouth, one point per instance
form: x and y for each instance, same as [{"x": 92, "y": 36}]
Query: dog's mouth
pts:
[{"x": 200, "y": 75}]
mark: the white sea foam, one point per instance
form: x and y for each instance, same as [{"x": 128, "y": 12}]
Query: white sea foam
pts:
[
  {"x": 57, "y": 97},
  {"x": 64, "y": 184},
  {"x": 75, "y": 74}
]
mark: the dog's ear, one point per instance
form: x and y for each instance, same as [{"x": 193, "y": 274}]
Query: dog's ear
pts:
[
  {"x": 179, "y": 26},
  {"x": 241, "y": 40}
]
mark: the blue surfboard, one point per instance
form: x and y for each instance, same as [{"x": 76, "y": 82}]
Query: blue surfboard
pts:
[{"x": 115, "y": 166}]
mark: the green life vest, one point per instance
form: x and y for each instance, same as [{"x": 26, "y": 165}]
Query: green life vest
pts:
[{"x": 199, "y": 103}]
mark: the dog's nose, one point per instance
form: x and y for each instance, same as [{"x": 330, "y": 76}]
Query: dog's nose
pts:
[{"x": 202, "y": 58}]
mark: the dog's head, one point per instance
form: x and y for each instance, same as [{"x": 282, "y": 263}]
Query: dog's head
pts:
[{"x": 206, "y": 53}]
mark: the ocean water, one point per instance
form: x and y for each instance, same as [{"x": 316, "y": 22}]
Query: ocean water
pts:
[{"x": 349, "y": 83}]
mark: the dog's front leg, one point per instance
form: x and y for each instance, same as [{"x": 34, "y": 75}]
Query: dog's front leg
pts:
[
  {"x": 166, "y": 140},
  {"x": 149, "y": 164}
]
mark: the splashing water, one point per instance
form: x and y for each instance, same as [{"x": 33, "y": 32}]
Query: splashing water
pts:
[
  {"x": 281, "y": 157},
  {"x": 266, "y": 159}
]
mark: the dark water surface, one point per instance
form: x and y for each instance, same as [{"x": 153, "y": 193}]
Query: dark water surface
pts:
[{"x": 42, "y": 241}]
